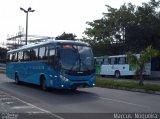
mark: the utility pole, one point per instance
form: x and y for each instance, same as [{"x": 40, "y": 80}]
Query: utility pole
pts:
[{"x": 27, "y": 11}]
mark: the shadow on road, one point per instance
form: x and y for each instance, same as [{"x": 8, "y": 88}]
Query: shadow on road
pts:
[{"x": 59, "y": 97}]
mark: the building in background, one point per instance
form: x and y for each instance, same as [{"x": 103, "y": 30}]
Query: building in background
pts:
[{"x": 18, "y": 40}]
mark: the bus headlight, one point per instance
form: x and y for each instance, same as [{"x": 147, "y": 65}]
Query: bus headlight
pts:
[{"x": 64, "y": 78}]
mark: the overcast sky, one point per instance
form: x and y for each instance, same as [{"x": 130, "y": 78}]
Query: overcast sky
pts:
[{"x": 53, "y": 17}]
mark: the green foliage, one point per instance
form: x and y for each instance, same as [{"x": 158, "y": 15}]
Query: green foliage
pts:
[
  {"x": 132, "y": 60},
  {"x": 135, "y": 27},
  {"x": 145, "y": 56},
  {"x": 3, "y": 55},
  {"x": 139, "y": 62},
  {"x": 66, "y": 36}
]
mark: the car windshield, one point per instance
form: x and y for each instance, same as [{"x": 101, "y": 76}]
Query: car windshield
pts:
[{"x": 76, "y": 58}]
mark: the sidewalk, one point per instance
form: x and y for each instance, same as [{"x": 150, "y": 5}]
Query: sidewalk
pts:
[{"x": 146, "y": 81}]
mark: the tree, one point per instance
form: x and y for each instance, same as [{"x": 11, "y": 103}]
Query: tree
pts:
[
  {"x": 144, "y": 31},
  {"x": 111, "y": 28},
  {"x": 139, "y": 62},
  {"x": 3, "y": 55},
  {"x": 133, "y": 27},
  {"x": 66, "y": 36}
]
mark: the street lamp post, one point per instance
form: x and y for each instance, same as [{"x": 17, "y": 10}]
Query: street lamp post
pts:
[{"x": 27, "y": 11}]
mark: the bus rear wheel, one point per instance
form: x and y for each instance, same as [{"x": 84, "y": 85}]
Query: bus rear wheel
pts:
[
  {"x": 17, "y": 79},
  {"x": 43, "y": 84},
  {"x": 117, "y": 74}
]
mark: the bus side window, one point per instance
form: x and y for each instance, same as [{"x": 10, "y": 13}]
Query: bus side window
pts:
[
  {"x": 122, "y": 60},
  {"x": 112, "y": 61},
  {"x": 52, "y": 58},
  {"x": 20, "y": 56},
  {"x": 42, "y": 53},
  {"x": 46, "y": 53},
  {"x": 34, "y": 54},
  {"x": 26, "y": 55},
  {"x": 13, "y": 57},
  {"x": 106, "y": 61},
  {"x": 116, "y": 60},
  {"x": 7, "y": 57},
  {"x": 10, "y": 57}
]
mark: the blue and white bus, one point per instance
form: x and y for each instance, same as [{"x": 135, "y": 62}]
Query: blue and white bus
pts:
[
  {"x": 61, "y": 64},
  {"x": 118, "y": 66}
]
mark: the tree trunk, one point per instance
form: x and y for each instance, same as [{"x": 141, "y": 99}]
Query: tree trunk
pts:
[{"x": 141, "y": 80}]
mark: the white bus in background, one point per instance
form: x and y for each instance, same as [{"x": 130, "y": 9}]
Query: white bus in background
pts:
[{"x": 117, "y": 66}]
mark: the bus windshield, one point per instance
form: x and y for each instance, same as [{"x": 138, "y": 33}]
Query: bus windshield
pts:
[{"x": 76, "y": 58}]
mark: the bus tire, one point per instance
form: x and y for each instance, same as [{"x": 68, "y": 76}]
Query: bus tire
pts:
[
  {"x": 43, "y": 83},
  {"x": 102, "y": 75},
  {"x": 73, "y": 89},
  {"x": 117, "y": 74},
  {"x": 17, "y": 79}
]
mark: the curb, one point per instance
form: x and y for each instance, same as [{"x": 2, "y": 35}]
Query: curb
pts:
[{"x": 132, "y": 89}]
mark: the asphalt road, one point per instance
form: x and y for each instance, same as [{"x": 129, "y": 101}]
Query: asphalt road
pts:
[{"x": 30, "y": 99}]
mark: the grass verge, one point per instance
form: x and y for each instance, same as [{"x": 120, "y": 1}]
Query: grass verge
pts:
[{"x": 127, "y": 85}]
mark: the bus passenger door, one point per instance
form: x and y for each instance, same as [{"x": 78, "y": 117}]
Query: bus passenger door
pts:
[{"x": 53, "y": 61}]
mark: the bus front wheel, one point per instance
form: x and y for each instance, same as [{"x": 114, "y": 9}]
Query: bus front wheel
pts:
[
  {"x": 43, "y": 84},
  {"x": 117, "y": 74},
  {"x": 17, "y": 79}
]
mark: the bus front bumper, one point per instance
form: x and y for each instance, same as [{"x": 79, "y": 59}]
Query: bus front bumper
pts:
[{"x": 65, "y": 83}]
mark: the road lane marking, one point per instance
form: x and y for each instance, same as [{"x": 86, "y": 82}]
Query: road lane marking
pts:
[
  {"x": 43, "y": 110},
  {"x": 21, "y": 107},
  {"x": 121, "y": 101},
  {"x": 9, "y": 103},
  {"x": 29, "y": 105}
]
